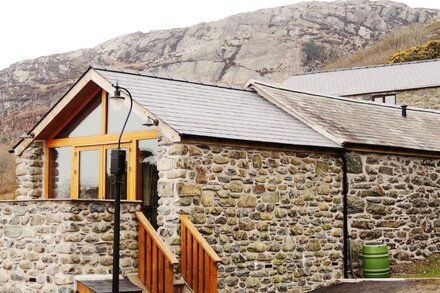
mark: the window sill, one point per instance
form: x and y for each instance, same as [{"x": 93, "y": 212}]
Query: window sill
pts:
[{"x": 70, "y": 200}]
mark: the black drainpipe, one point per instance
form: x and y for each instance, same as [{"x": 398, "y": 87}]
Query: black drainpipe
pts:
[{"x": 346, "y": 248}]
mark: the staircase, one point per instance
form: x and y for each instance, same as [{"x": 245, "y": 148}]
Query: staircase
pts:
[
  {"x": 199, "y": 260},
  {"x": 158, "y": 265}
]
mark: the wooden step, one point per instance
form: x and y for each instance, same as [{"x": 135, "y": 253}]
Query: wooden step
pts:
[
  {"x": 180, "y": 286},
  {"x": 134, "y": 278},
  {"x": 105, "y": 286}
]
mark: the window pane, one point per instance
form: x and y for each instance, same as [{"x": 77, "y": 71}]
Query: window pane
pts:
[
  {"x": 87, "y": 122},
  {"x": 89, "y": 174},
  {"x": 117, "y": 114},
  {"x": 378, "y": 99},
  {"x": 60, "y": 163},
  {"x": 110, "y": 179},
  {"x": 390, "y": 100}
]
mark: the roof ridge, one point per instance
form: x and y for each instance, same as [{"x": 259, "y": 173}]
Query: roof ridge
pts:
[
  {"x": 354, "y": 125},
  {"x": 294, "y": 113},
  {"x": 350, "y": 100},
  {"x": 158, "y": 76},
  {"x": 366, "y": 67}
]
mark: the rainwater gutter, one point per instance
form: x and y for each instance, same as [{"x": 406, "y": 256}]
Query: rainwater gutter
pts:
[{"x": 346, "y": 236}]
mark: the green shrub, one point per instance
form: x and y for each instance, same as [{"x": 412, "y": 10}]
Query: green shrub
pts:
[{"x": 312, "y": 51}]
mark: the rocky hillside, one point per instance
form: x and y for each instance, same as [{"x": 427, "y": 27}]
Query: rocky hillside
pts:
[
  {"x": 380, "y": 52},
  {"x": 265, "y": 44}
]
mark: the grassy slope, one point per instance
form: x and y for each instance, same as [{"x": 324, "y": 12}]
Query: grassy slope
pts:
[
  {"x": 7, "y": 173},
  {"x": 429, "y": 268},
  {"x": 381, "y": 50}
]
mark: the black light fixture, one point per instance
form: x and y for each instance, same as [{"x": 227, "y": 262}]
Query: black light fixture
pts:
[
  {"x": 151, "y": 122},
  {"x": 118, "y": 168},
  {"x": 27, "y": 135}
]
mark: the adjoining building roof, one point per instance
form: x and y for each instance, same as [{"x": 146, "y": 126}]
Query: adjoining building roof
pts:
[
  {"x": 207, "y": 110},
  {"x": 352, "y": 122},
  {"x": 372, "y": 79}
]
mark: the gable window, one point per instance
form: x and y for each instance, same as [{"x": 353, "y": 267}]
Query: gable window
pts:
[
  {"x": 384, "y": 99},
  {"x": 87, "y": 122},
  {"x": 116, "y": 117},
  {"x": 79, "y": 154}
]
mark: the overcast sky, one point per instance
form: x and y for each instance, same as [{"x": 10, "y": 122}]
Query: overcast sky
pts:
[{"x": 33, "y": 28}]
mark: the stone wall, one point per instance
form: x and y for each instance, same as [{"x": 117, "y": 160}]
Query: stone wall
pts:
[
  {"x": 29, "y": 172},
  {"x": 423, "y": 98},
  {"x": 395, "y": 199},
  {"x": 273, "y": 217},
  {"x": 428, "y": 98},
  {"x": 45, "y": 243}
]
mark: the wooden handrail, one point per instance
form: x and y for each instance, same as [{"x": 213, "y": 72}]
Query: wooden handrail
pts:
[
  {"x": 200, "y": 239},
  {"x": 156, "y": 238},
  {"x": 199, "y": 260},
  {"x": 156, "y": 261}
]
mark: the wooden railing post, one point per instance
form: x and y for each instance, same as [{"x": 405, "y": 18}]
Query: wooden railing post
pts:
[
  {"x": 156, "y": 261},
  {"x": 199, "y": 260}
]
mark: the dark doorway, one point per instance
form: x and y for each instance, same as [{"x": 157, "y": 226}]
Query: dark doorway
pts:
[{"x": 147, "y": 177}]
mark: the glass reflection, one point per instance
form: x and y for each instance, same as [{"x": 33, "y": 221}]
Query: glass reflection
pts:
[
  {"x": 89, "y": 174},
  {"x": 390, "y": 100},
  {"x": 87, "y": 122},
  {"x": 117, "y": 113},
  {"x": 60, "y": 171}
]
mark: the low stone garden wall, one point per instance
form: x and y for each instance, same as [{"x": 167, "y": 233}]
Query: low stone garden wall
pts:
[
  {"x": 275, "y": 218},
  {"x": 396, "y": 200},
  {"x": 45, "y": 243}
]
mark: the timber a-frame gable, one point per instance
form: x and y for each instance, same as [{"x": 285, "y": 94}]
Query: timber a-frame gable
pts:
[{"x": 76, "y": 98}]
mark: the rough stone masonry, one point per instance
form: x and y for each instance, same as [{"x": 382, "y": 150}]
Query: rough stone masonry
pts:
[
  {"x": 274, "y": 217},
  {"x": 395, "y": 199},
  {"x": 29, "y": 172},
  {"x": 427, "y": 98},
  {"x": 45, "y": 243}
]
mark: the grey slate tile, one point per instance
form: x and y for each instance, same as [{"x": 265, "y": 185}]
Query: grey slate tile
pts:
[
  {"x": 373, "y": 79},
  {"x": 362, "y": 122},
  {"x": 214, "y": 111}
]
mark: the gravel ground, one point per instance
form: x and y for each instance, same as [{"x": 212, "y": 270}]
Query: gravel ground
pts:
[{"x": 407, "y": 286}]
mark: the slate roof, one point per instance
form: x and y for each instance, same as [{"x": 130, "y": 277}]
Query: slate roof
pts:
[
  {"x": 197, "y": 109},
  {"x": 357, "y": 122},
  {"x": 373, "y": 79}
]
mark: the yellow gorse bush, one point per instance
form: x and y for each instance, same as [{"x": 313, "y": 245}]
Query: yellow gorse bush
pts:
[{"x": 427, "y": 51}]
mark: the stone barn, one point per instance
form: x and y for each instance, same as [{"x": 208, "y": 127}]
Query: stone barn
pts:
[
  {"x": 253, "y": 189},
  {"x": 414, "y": 83}
]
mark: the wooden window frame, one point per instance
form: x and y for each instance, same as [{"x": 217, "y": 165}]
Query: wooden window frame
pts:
[
  {"x": 376, "y": 98},
  {"x": 74, "y": 185},
  {"x": 102, "y": 142}
]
